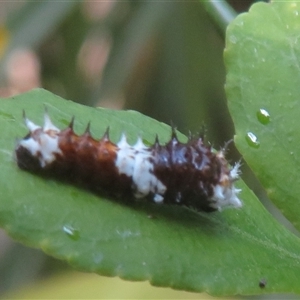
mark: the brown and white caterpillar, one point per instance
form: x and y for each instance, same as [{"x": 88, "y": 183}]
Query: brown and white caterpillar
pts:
[{"x": 188, "y": 174}]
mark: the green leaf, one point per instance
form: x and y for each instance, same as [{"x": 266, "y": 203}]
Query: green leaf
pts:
[
  {"x": 222, "y": 253},
  {"x": 262, "y": 57}
]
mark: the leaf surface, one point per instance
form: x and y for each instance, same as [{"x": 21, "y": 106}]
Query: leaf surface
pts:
[
  {"x": 263, "y": 61},
  {"x": 221, "y": 253}
]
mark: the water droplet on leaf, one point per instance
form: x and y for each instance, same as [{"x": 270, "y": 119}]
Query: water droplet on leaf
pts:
[
  {"x": 252, "y": 140},
  {"x": 72, "y": 232},
  {"x": 263, "y": 116}
]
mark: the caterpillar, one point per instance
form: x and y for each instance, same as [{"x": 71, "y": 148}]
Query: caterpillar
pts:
[{"x": 189, "y": 174}]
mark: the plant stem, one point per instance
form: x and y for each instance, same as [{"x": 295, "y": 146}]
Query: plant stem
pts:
[{"x": 220, "y": 12}]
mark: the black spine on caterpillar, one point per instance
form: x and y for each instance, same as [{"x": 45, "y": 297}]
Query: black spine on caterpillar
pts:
[{"x": 188, "y": 174}]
